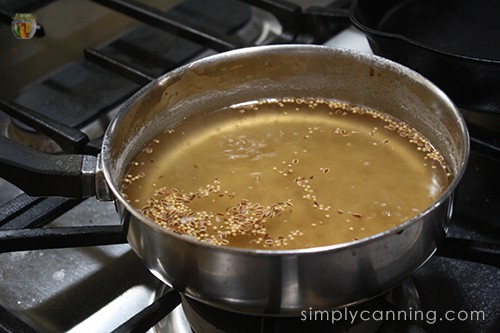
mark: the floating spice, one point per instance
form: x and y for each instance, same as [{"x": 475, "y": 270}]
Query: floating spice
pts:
[{"x": 244, "y": 176}]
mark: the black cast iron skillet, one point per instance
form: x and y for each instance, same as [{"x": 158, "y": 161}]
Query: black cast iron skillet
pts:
[{"x": 454, "y": 43}]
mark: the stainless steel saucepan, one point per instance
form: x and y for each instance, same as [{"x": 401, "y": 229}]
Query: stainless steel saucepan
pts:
[{"x": 269, "y": 282}]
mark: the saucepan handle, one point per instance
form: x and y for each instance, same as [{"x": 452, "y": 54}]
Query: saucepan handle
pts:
[{"x": 40, "y": 174}]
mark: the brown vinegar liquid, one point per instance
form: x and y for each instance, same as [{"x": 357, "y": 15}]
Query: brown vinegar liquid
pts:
[{"x": 286, "y": 174}]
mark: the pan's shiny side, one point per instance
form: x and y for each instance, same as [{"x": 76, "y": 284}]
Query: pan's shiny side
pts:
[{"x": 285, "y": 282}]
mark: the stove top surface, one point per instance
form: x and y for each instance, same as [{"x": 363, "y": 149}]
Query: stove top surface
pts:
[{"x": 97, "y": 288}]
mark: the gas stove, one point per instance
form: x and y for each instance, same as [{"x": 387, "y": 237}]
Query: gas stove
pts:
[{"x": 65, "y": 265}]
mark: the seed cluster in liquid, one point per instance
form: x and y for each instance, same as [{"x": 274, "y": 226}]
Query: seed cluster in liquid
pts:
[
  {"x": 297, "y": 201},
  {"x": 171, "y": 209}
]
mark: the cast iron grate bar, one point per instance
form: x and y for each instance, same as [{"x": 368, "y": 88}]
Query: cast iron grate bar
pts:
[
  {"x": 24, "y": 211},
  {"x": 69, "y": 139},
  {"x": 144, "y": 57},
  {"x": 486, "y": 149},
  {"x": 470, "y": 250},
  {"x": 116, "y": 66},
  {"x": 93, "y": 147},
  {"x": 60, "y": 237},
  {"x": 152, "y": 314},
  {"x": 168, "y": 22},
  {"x": 15, "y": 207}
]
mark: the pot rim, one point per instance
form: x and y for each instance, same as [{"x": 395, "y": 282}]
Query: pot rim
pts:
[{"x": 105, "y": 155}]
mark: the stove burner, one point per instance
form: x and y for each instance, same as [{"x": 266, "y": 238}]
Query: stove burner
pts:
[
  {"x": 30, "y": 139},
  {"x": 21, "y": 133},
  {"x": 195, "y": 317}
]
